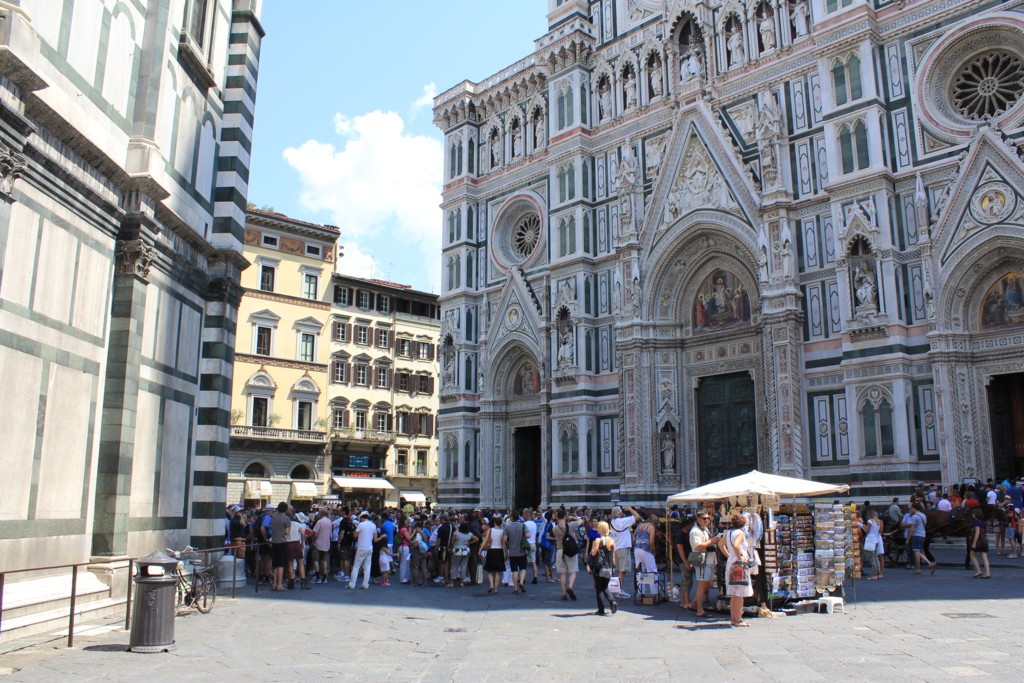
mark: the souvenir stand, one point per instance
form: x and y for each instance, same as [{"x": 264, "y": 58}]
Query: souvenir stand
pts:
[{"x": 802, "y": 554}]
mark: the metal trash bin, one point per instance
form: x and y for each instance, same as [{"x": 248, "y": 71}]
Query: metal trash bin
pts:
[{"x": 155, "y": 589}]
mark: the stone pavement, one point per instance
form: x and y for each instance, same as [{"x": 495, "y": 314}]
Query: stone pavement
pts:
[{"x": 905, "y": 628}]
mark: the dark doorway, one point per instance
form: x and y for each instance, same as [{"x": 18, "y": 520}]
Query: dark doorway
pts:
[
  {"x": 726, "y": 426},
  {"x": 1006, "y": 414},
  {"x": 527, "y": 467}
]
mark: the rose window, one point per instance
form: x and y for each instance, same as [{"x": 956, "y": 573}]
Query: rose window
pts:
[
  {"x": 526, "y": 235},
  {"x": 988, "y": 85}
]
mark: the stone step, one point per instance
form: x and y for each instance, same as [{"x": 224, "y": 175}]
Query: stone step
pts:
[
  {"x": 46, "y": 593},
  {"x": 56, "y": 619}
]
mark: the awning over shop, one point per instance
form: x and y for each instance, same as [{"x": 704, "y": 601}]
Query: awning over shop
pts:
[
  {"x": 303, "y": 490},
  {"x": 414, "y": 496},
  {"x": 363, "y": 483},
  {"x": 258, "y": 489}
]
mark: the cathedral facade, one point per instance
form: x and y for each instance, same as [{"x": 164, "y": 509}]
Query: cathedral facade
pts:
[{"x": 684, "y": 240}]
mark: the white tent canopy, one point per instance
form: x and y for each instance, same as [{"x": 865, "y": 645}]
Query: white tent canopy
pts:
[{"x": 758, "y": 483}]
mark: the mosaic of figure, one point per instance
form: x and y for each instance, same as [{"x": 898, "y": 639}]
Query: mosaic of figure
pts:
[
  {"x": 527, "y": 380},
  {"x": 721, "y": 302},
  {"x": 1004, "y": 303}
]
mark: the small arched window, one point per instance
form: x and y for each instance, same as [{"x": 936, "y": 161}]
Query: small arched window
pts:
[
  {"x": 255, "y": 470},
  {"x": 452, "y": 161},
  {"x": 472, "y": 156},
  {"x": 301, "y": 472}
]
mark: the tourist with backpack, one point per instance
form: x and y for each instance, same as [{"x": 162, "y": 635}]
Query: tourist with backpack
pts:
[{"x": 567, "y": 550}]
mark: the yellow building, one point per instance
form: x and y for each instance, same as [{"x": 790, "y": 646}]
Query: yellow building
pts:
[
  {"x": 383, "y": 393},
  {"x": 279, "y": 416}
]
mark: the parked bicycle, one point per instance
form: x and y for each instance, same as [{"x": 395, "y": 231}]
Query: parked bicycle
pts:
[{"x": 199, "y": 589}]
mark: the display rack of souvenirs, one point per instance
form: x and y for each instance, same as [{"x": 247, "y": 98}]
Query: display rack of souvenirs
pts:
[{"x": 833, "y": 546}]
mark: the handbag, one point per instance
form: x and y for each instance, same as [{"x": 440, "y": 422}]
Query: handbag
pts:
[
  {"x": 422, "y": 545},
  {"x": 739, "y": 575},
  {"x": 524, "y": 542},
  {"x": 697, "y": 559}
]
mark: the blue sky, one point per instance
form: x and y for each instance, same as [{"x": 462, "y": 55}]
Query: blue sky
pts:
[{"x": 344, "y": 132}]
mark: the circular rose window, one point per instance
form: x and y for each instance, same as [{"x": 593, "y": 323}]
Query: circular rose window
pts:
[
  {"x": 526, "y": 235},
  {"x": 988, "y": 85},
  {"x": 517, "y": 232}
]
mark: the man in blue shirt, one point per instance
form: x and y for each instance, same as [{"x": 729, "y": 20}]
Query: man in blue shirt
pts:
[
  {"x": 388, "y": 527},
  {"x": 1016, "y": 494}
]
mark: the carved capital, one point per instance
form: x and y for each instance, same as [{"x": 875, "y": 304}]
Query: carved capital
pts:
[
  {"x": 134, "y": 257},
  {"x": 12, "y": 165}
]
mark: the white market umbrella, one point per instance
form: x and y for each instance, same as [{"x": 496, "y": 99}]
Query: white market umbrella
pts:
[{"x": 758, "y": 483}]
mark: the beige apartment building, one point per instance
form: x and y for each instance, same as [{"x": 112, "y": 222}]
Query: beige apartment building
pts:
[
  {"x": 279, "y": 414},
  {"x": 334, "y": 394},
  {"x": 382, "y": 392}
]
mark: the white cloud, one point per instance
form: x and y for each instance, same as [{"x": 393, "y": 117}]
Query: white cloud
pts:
[
  {"x": 382, "y": 189},
  {"x": 356, "y": 262},
  {"x": 427, "y": 98}
]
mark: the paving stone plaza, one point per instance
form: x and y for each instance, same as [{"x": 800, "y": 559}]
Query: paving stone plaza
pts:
[{"x": 905, "y": 628}]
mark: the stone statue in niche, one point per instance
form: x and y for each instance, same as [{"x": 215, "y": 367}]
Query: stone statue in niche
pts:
[
  {"x": 605, "y": 101},
  {"x": 734, "y": 41},
  {"x": 767, "y": 29},
  {"x": 799, "y": 13},
  {"x": 617, "y": 295},
  {"x": 540, "y": 130},
  {"x": 517, "y": 141},
  {"x": 630, "y": 90},
  {"x": 448, "y": 373},
  {"x": 480, "y": 382},
  {"x": 769, "y": 134},
  {"x": 668, "y": 452},
  {"x": 691, "y": 65},
  {"x": 496, "y": 151},
  {"x": 635, "y": 295},
  {"x": 566, "y": 348},
  {"x": 656, "y": 78},
  {"x": 865, "y": 288}
]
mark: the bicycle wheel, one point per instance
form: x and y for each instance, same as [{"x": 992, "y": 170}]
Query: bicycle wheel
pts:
[{"x": 206, "y": 592}]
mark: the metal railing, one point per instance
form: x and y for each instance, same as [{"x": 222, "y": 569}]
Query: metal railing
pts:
[
  {"x": 74, "y": 592},
  {"x": 254, "y": 432}
]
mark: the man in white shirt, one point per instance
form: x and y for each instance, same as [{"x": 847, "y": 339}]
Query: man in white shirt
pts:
[
  {"x": 365, "y": 531},
  {"x": 944, "y": 505},
  {"x": 621, "y": 525},
  {"x": 991, "y": 496},
  {"x": 531, "y": 535}
]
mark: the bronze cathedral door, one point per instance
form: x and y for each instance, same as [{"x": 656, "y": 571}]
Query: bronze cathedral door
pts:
[{"x": 726, "y": 427}]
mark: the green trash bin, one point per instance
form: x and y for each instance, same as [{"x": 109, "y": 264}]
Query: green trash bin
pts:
[{"x": 155, "y": 589}]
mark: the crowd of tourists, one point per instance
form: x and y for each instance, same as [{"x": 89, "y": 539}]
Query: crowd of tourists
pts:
[
  {"x": 288, "y": 549},
  {"x": 977, "y": 511}
]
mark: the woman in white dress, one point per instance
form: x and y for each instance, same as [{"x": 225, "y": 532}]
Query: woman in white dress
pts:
[
  {"x": 737, "y": 583},
  {"x": 873, "y": 547}
]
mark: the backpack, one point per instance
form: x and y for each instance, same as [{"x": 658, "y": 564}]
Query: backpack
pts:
[
  {"x": 545, "y": 542},
  {"x": 570, "y": 546}
]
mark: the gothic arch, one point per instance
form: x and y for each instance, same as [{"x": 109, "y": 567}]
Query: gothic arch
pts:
[
  {"x": 966, "y": 286},
  {"x": 692, "y": 249},
  {"x": 505, "y": 364}
]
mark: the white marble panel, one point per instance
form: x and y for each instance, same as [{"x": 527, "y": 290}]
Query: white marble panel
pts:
[
  {"x": 19, "y": 259},
  {"x": 174, "y": 472},
  {"x": 92, "y": 293},
  {"x": 65, "y": 441},
  {"x": 57, "y": 252},
  {"x": 144, "y": 456},
  {"x": 188, "y": 345},
  {"x": 18, "y": 427},
  {"x": 83, "y": 48}
]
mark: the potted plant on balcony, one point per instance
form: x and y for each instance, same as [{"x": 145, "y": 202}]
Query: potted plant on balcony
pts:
[
  {"x": 321, "y": 424},
  {"x": 236, "y": 415},
  {"x": 273, "y": 419}
]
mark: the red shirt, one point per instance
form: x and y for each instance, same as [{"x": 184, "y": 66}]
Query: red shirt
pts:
[{"x": 971, "y": 503}]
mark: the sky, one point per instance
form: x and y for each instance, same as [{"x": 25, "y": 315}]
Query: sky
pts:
[{"x": 344, "y": 130}]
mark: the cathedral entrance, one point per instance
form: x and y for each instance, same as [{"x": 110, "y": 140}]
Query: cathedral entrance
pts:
[
  {"x": 527, "y": 467},
  {"x": 1006, "y": 413},
  {"x": 726, "y": 427}
]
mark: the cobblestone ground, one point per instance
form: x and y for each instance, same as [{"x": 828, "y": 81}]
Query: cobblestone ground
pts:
[{"x": 906, "y": 628}]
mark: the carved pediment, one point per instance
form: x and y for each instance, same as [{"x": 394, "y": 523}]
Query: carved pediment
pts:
[{"x": 981, "y": 197}]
